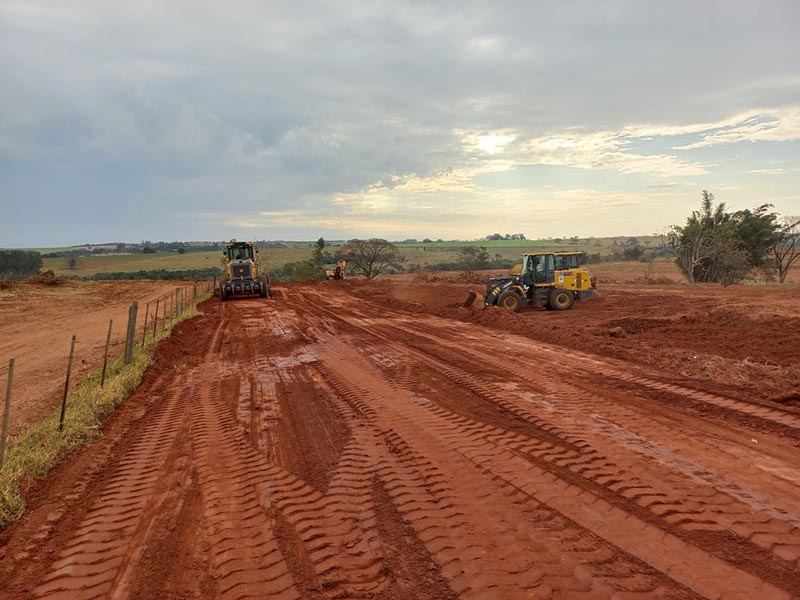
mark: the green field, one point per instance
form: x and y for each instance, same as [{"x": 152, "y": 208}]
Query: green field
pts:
[
  {"x": 111, "y": 263},
  {"x": 415, "y": 254}
]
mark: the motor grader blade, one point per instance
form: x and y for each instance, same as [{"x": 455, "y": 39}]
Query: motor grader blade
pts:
[{"x": 475, "y": 298}]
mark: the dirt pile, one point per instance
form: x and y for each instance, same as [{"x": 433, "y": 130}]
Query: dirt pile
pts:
[{"x": 48, "y": 278}]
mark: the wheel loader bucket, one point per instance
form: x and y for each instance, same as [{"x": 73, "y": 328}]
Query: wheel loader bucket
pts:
[{"x": 474, "y": 299}]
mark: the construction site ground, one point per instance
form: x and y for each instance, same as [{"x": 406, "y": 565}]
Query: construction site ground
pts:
[{"x": 378, "y": 440}]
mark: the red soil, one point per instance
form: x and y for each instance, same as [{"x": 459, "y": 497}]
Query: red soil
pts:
[{"x": 341, "y": 440}]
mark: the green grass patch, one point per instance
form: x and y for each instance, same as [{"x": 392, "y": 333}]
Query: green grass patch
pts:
[{"x": 38, "y": 448}]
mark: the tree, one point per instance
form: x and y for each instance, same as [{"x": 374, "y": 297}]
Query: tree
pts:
[
  {"x": 181, "y": 250},
  {"x": 370, "y": 257},
  {"x": 19, "y": 263},
  {"x": 72, "y": 263},
  {"x": 721, "y": 247},
  {"x": 688, "y": 245},
  {"x": 759, "y": 231},
  {"x": 786, "y": 247},
  {"x": 474, "y": 258},
  {"x": 317, "y": 261},
  {"x": 148, "y": 250}
]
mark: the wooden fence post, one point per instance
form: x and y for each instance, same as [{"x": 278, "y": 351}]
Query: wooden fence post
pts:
[
  {"x": 129, "y": 340},
  {"x": 6, "y": 412},
  {"x": 155, "y": 318},
  {"x": 66, "y": 385},
  {"x": 177, "y": 302},
  {"x": 144, "y": 325},
  {"x": 105, "y": 355},
  {"x": 195, "y": 292}
]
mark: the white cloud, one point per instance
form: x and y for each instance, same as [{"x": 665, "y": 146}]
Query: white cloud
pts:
[{"x": 775, "y": 125}]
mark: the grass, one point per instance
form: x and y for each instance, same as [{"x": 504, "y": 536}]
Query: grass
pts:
[{"x": 38, "y": 448}]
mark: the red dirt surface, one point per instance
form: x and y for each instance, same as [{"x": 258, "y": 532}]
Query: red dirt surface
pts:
[
  {"x": 37, "y": 320},
  {"x": 336, "y": 441},
  {"x": 740, "y": 340}
]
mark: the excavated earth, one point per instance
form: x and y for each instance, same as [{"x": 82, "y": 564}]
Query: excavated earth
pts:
[{"x": 337, "y": 441}]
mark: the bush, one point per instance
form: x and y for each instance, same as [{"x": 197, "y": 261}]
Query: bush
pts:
[
  {"x": 207, "y": 273},
  {"x": 473, "y": 258},
  {"x": 19, "y": 263}
]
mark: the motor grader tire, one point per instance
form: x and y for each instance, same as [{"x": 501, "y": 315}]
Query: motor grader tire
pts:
[
  {"x": 510, "y": 300},
  {"x": 561, "y": 299}
]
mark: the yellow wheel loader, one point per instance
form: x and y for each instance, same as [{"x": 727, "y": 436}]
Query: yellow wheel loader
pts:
[
  {"x": 243, "y": 276},
  {"x": 553, "y": 280}
]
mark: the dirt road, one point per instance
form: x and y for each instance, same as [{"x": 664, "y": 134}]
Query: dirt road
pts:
[{"x": 319, "y": 446}]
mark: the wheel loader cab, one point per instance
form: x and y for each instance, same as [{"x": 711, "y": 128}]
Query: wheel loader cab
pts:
[{"x": 538, "y": 269}]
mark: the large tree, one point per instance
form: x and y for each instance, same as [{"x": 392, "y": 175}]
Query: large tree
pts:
[
  {"x": 370, "y": 257},
  {"x": 718, "y": 246}
]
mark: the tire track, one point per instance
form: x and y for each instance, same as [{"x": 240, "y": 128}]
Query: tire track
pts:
[
  {"x": 684, "y": 503},
  {"x": 691, "y": 514},
  {"x": 107, "y": 544},
  {"x": 429, "y": 500}
]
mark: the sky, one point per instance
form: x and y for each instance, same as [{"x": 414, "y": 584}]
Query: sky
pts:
[{"x": 130, "y": 121}]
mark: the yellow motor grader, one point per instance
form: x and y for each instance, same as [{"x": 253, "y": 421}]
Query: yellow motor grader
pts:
[
  {"x": 242, "y": 272},
  {"x": 553, "y": 280}
]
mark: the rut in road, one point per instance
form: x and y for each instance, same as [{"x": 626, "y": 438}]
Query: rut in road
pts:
[{"x": 312, "y": 446}]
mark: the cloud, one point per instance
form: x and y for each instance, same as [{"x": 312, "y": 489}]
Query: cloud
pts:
[
  {"x": 381, "y": 111},
  {"x": 777, "y": 125}
]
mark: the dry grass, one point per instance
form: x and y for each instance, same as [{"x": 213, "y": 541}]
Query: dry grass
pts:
[
  {"x": 38, "y": 448},
  {"x": 730, "y": 371}
]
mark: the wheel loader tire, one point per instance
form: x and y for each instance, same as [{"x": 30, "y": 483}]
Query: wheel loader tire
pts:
[
  {"x": 510, "y": 300},
  {"x": 561, "y": 299}
]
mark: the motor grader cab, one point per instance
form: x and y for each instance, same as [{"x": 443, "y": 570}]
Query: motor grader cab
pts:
[
  {"x": 553, "y": 280},
  {"x": 338, "y": 272},
  {"x": 243, "y": 275}
]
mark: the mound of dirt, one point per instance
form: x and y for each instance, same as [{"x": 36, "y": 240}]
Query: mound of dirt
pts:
[
  {"x": 737, "y": 341},
  {"x": 46, "y": 278}
]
